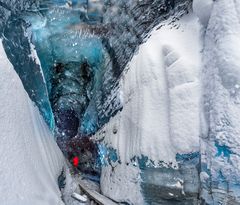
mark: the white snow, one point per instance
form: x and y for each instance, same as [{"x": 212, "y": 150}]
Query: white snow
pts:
[
  {"x": 161, "y": 97},
  {"x": 203, "y": 8},
  {"x": 123, "y": 183},
  {"x": 30, "y": 160},
  {"x": 221, "y": 80},
  {"x": 34, "y": 56},
  {"x": 79, "y": 197},
  {"x": 160, "y": 91}
]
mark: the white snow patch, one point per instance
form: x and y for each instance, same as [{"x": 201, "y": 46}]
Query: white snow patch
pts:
[
  {"x": 30, "y": 159},
  {"x": 34, "y": 56}
]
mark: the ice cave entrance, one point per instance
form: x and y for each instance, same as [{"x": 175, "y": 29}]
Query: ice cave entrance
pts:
[{"x": 67, "y": 38}]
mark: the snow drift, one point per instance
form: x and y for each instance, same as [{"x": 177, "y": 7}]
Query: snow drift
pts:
[
  {"x": 160, "y": 94},
  {"x": 30, "y": 159}
]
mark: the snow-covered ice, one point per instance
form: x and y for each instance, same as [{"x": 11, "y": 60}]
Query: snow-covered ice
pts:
[
  {"x": 203, "y": 10},
  {"x": 220, "y": 148},
  {"x": 180, "y": 95},
  {"x": 160, "y": 93},
  {"x": 122, "y": 183},
  {"x": 160, "y": 88},
  {"x": 30, "y": 160}
]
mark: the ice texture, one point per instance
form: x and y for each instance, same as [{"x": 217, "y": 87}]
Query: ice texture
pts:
[
  {"x": 167, "y": 113},
  {"x": 158, "y": 89},
  {"x": 128, "y": 25},
  {"x": 22, "y": 54},
  {"x": 31, "y": 160},
  {"x": 203, "y": 10},
  {"x": 220, "y": 147}
]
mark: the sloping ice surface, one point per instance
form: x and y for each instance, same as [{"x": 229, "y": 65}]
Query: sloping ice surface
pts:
[{"x": 31, "y": 160}]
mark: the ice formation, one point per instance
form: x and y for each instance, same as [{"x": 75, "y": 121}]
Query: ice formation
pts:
[
  {"x": 220, "y": 159},
  {"x": 160, "y": 87},
  {"x": 155, "y": 84},
  {"x": 30, "y": 159},
  {"x": 203, "y": 10}
]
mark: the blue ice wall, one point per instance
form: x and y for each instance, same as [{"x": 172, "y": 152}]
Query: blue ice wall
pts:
[
  {"x": 18, "y": 50},
  {"x": 58, "y": 38}
]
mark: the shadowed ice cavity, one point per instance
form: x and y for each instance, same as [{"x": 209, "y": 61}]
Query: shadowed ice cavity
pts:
[{"x": 72, "y": 61}]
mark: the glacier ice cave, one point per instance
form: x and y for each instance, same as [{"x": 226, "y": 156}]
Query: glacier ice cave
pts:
[{"x": 120, "y": 102}]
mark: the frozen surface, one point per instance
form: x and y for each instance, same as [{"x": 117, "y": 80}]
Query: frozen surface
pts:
[
  {"x": 203, "y": 10},
  {"x": 30, "y": 159},
  {"x": 160, "y": 88},
  {"x": 220, "y": 148},
  {"x": 22, "y": 55},
  {"x": 181, "y": 87},
  {"x": 122, "y": 183},
  {"x": 160, "y": 94}
]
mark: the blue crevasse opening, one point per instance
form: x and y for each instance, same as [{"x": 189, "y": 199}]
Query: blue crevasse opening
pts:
[{"x": 58, "y": 39}]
